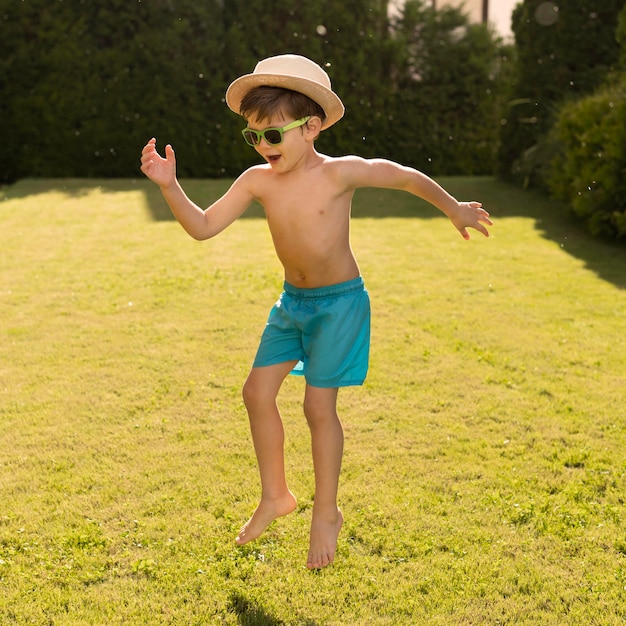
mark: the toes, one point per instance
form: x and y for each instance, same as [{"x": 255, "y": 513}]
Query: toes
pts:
[
  {"x": 319, "y": 561},
  {"x": 243, "y": 537}
]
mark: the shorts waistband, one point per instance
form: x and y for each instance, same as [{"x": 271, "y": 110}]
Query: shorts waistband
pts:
[{"x": 327, "y": 291}]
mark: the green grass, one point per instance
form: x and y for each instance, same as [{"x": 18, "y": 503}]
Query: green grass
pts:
[{"x": 484, "y": 473}]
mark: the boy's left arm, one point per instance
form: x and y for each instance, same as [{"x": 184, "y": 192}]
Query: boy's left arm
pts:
[{"x": 390, "y": 175}]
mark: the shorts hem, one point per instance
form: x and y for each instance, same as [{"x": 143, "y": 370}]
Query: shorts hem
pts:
[
  {"x": 277, "y": 362},
  {"x": 322, "y": 385},
  {"x": 348, "y": 383}
]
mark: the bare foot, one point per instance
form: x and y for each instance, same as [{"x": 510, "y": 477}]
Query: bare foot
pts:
[
  {"x": 267, "y": 511},
  {"x": 323, "y": 539}
]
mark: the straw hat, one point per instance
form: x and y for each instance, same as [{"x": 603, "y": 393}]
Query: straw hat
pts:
[{"x": 294, "y": 72}]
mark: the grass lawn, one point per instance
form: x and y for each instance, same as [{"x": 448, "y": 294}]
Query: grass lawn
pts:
[{"x": 484, "y": 473}]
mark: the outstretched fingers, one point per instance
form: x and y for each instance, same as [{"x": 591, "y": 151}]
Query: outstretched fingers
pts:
[
  {"x": 147, "y": 155},
  {"x": 483, "y": 217},
  {"x": 474, "y": 217},
  {"x": 158, "y": 169}
]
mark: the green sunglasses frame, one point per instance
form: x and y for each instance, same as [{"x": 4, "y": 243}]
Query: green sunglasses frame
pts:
[{"x": 260, "y": 134}]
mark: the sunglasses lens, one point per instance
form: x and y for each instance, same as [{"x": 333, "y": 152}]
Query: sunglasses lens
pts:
[
  {"x": 251, "y": 137},
  {"x": 273, "y": 136}
]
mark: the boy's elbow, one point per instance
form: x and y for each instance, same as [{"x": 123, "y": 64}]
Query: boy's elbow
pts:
[
  {"x": 202, "y": 235},
  {"x": 203, "y": 229},
  {"x": 199, "y": 234}
]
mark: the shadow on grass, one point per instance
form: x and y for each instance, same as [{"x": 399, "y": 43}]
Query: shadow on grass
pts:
[
  {"x": 249, "y": 613},
  {"x": 552, "y": 220},
  {"x": 71, "y": 187},
  {"x": 203, "y": 192}
]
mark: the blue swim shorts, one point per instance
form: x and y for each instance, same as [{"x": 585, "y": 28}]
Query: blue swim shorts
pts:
[{"x": 326, "y": 329}]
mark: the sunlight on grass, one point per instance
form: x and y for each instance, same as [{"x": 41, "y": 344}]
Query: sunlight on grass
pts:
[{"x": 484, "y": 472}]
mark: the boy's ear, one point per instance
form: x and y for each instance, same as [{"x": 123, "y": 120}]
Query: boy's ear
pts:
[{"x": 313, "y": 127}]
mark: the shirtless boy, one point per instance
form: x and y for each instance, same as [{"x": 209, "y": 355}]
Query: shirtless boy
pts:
[{"x": 320, "y": 324}]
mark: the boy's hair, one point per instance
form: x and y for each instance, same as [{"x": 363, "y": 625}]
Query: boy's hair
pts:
[{"x": 265, "y": 102}]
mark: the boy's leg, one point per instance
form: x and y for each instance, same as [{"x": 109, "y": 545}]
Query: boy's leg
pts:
[
  {"x": 320, "y": 408},
  {"x": 259, "y": 393}
]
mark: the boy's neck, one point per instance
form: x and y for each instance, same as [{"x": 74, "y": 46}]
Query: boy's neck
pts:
[{"x": 310, "y": 159}]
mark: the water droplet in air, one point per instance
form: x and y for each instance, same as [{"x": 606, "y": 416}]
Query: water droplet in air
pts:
[{"x": 547, "y": 13}]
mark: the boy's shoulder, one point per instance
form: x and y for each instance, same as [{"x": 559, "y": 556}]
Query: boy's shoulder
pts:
[
  {"x": 342, "y": 162},
  {"x": 347, "y": 164},
  {"x": 255, "y": 172}
]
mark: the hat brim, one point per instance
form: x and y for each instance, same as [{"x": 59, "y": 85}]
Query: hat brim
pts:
[{"x": 327, "y": 99}]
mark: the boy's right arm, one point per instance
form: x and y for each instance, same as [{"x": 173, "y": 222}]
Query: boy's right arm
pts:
[{"x": 200, "y": 224}]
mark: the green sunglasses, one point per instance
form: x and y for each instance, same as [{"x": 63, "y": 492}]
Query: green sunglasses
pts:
[{"x": 273, "y": 136}]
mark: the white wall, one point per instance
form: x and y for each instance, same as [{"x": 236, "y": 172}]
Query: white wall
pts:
[{"x": 499, "y": 11}]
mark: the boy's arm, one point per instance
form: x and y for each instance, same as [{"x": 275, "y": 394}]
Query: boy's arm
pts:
[
  {"x": 386, "y": 174},
  {"x": 200, "y": 224}
]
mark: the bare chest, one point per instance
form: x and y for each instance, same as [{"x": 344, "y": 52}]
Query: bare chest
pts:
[{"x": 306, "y": 206}]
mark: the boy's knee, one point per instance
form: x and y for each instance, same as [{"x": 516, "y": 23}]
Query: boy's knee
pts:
[
  {"x": 255, "y": 393},
  {"x": 249, "y": 392},
  {"x": 316, "y": 412}
]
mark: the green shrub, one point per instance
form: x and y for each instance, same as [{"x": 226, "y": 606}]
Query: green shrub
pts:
[{"x": 589, "y": 170}]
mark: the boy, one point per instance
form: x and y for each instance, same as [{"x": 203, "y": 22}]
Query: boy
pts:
[{"x": 320, "y": 324}]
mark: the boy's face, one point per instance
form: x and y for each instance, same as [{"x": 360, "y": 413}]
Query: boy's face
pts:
[{"x": 281, "y": 156}]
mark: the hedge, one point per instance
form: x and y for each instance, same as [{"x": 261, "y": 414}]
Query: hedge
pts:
[{"x": 86, "y": 82}]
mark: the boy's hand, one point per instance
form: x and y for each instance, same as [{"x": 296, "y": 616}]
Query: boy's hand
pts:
[
  {"x": 159, "y": 170},
  {"x": 471, "y": 215}
]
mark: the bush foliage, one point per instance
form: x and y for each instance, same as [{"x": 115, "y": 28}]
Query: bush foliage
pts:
[
  {"x": 564, "y": 51},
  {"x": 565, "y": 122},
  {"x": 589, "y": 169},
  {"x": 87, "y": 82}
]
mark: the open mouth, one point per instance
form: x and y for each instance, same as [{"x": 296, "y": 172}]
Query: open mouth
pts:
[{"x": 273, "y": 158}]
